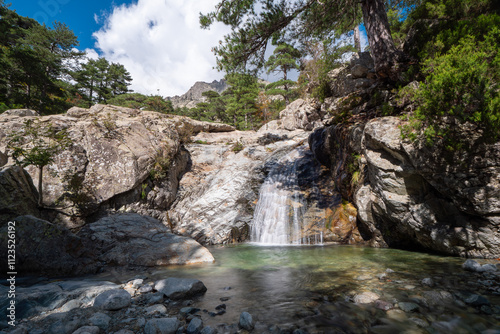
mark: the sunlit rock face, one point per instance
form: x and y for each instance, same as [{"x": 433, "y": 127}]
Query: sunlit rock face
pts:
[
  {"x": 119, "y": 159},
  {"x": 228, "y": 192}
]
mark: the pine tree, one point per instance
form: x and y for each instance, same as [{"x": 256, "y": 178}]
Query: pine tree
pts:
[
  {"x": 284, "y": 59},
  {"x": 255, "y": 23},
  {"x": 241, "y": 100}
]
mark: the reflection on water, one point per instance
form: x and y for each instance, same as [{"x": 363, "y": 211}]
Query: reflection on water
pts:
[{"x": 280, "y": 285}]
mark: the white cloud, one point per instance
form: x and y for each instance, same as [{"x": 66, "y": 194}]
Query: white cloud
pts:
[{"x": 161, "y": 44}]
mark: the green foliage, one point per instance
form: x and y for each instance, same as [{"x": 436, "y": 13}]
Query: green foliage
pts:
[
  {"x": 37, "y": 143},
  {"x": 99, "y": 80},
  {"x": 143, "y": 102},
  {"x": 237, "y": 147},
  {"x": 461, "y": 88},
  {"x": 36, "y": 67},
  {"x": 326, "y": 56},
  {"x": 441, "y": 24},
  {"x": 241, "y": 101},
  {"x": 161, "y": 165},
  {"x": 284, "y": 59}
]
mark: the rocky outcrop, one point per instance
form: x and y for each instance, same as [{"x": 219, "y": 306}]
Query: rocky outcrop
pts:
[
  {"x": 301, "y": 114},
  {"x": 118, "y": 157},
  {"x": 358, "y": 74},
  {"x": 134, "y": 240},
  {"x": 20, "y": 112},
  {"x": 45, "y": 248},
  {"x": 18, "y": 195},
  {"x": 126, "y": 240},
  {"x": 194, "y": 94},
  {"x": 217, "y": 195},
  {"x": 419, "y": 197}
]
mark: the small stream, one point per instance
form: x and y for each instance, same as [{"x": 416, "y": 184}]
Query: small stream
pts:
[{"x": 308, "y": 286}]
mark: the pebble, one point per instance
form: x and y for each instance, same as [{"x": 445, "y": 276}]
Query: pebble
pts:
[
  {"x": 366, "y": 297},
  {"x": 158, "y": 308},
  {"x": 408, "y": 307},
  {"x": 208, "y": 330},
  {"x": 162, "y": 325},
  {"x": 383, "y": 305},
  {"x": 87, "y": 330},
  {"x": 246, "y": 321},
  {"x": 428, "y": 282},
  {"x": 145, "y": 289}
]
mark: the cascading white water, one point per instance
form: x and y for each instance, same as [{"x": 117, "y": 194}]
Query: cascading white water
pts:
[{"x": 278, "y": 217}]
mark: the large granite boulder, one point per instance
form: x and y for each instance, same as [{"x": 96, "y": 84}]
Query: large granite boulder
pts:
[
  {"x": 18, "y": 195},
  {"x": 20, "y": 112},
  {"x": 130, "y": 239},
  {"x": 415, "y": 196},
  {"x": 301, "y": 114},
  {"x": 357, "y": 75},
  {"x": 420, "y": 197},
  {"x": 118, "y": 156},
  {"x": 180, "y": 288},
  {"x": 39, "y": 298}
]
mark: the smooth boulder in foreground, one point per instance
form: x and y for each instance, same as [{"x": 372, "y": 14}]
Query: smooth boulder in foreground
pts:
[{"x": 180, "y": 288}]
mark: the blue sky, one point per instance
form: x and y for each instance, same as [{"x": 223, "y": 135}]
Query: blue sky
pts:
[
  {"x": 159, "y": 42},
  {"x": 79, "y": 16}
]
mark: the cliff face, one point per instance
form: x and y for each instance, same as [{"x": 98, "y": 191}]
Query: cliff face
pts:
[
  {"x": 408, "y": 195},
  {"x": 413, "y": 196}
]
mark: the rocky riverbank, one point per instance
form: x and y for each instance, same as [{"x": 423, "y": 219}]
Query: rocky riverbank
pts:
[{"x": 385, "y": 302}]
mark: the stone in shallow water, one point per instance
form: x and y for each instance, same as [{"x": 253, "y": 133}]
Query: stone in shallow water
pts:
[
  {"x": 428, "y": 281},
  {"x": 472, "y": 299},
  {"x": 180, "y": 288},
  {"x": 246, "y": 321},
  {"x": 366, "y": 297},
  {"x": 383, "y": 305},
  {"x": 208, "y": 330},
  {"x": 195, "y": 326},
  {"x": 408, "y": 307}
]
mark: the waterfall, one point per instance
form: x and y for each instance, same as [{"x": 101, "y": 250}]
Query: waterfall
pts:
[{"x": 279, "y": 214}]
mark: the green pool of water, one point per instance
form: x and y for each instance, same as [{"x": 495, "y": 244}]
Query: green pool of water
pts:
[{"x": 286, "y": 286}]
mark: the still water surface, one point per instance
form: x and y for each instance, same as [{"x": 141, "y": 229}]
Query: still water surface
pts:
[{"x": 281, "y": 285}]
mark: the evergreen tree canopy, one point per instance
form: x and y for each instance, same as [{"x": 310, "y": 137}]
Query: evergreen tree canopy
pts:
[
  {"x": 256, "y": 22},
  {"x": 284, "y": 58}
]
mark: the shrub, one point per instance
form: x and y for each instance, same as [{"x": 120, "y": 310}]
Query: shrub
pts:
[{"x": 461, "y": 87}]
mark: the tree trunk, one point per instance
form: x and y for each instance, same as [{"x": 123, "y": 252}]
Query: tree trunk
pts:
[
  {"x": 357, "y": 39},
  {"x": 40, "y": 189},
  {"x": 382, "y": 48}
]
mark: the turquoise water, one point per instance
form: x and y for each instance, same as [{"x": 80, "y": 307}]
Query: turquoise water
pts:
[{"x": 303, "y": 286}]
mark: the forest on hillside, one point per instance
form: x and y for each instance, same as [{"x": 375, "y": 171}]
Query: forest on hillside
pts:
[{"x": 449, "y": 46}]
